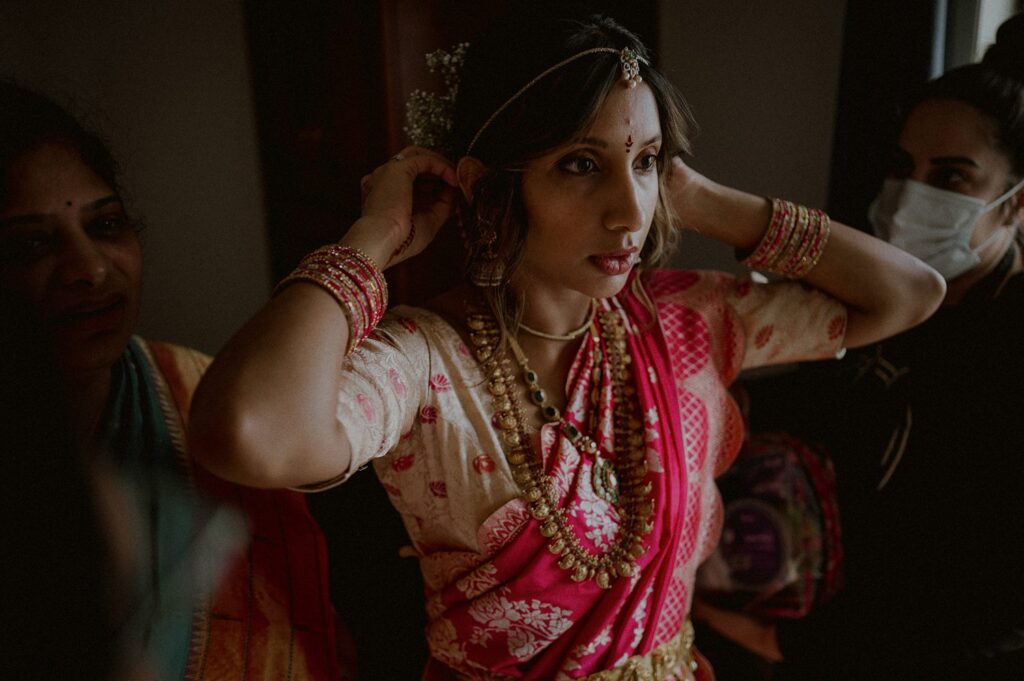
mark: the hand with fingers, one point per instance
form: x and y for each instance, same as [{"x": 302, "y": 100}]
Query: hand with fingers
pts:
[{"x": 405, "y": 201}]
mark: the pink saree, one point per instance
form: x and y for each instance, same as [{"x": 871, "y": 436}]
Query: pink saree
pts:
[{"x": 518, "y": 615}]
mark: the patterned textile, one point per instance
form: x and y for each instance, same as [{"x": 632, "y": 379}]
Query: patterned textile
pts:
[
  {"x": 271, "y": 617},
  {"x": 496, "y": 607}
]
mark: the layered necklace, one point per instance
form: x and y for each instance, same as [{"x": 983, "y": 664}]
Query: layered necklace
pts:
[
  {"x": 570, "y": 336},
  {"x": 617, "y": 477}
]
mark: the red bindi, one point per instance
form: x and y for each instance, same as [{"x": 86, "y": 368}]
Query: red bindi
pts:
[{"x": 629, "y": 143}]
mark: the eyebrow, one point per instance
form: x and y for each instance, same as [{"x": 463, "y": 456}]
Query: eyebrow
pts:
[
  {"x": 32, "y": 218},
  {"x": 602, "y": 144}
]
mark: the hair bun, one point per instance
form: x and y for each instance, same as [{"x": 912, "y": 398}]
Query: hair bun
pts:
[{"x": 1006, "y": 55}]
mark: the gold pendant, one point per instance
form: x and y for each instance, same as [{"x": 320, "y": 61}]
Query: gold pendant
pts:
[{"x": 605, "y": 480}]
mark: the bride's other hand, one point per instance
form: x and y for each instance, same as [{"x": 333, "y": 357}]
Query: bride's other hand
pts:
[
  {"x": 405, "y": 202},
  {"x": 684, "y": 186},
  {"x": 884, "y": 289},
  {"x": 712, "y": 209}
]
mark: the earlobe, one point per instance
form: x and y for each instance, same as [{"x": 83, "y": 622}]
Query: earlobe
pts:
[{"x": 469, "y": 170}]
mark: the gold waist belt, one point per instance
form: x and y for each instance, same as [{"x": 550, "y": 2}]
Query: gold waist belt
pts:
[{"x": 673, "y": 660}]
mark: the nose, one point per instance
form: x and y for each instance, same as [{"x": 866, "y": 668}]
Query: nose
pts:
[
  {"x": 83, "y": 262},
  {"x": 627, "y": 204}
]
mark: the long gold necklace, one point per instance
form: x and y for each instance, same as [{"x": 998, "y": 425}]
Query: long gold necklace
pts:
[
  {"x": 604, "y": 477},
  {"x": 635, "y": 506}
]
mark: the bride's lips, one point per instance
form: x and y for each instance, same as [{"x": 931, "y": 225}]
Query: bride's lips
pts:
[
  {"x": 91, "y": 317},
  {"x": 615, "y": 262}
]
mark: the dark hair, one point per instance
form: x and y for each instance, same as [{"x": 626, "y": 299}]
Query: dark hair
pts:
[
  {"x": 29, "y": 119},
  {"x": 514, "y": 51},
  {"x": 995, "y": 87}
]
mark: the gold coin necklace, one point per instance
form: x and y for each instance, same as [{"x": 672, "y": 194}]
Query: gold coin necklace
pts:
[{"x": 621, "y": 479}]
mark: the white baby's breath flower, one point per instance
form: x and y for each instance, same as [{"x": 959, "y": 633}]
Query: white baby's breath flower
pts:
[{"x": 428, "y": 117}]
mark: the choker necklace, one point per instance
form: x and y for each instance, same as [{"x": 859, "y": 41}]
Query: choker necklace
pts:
[
  {"x": 572, "y": 335},
  {"x": 634, "y": 505}
]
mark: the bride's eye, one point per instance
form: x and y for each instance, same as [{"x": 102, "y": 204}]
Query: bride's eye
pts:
[
  {"x": 578, "y": 165},
  {"x": 647, "y": 162}
]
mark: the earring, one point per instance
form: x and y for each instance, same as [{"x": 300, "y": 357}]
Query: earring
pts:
[{"x": 489, "y": 271}]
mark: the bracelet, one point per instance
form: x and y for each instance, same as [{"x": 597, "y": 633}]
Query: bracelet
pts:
[
  {"x": 353, "y": 280},
  {"x": 794, "y": 241}
]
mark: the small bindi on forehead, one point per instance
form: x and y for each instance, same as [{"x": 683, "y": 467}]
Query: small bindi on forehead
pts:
[{"x": 68, "y": 204}]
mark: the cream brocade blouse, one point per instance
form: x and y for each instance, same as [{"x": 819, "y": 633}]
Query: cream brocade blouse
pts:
[{"x": 415, "y": 403}]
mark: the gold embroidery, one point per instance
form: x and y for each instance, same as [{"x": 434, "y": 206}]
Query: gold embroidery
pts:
[{"x": 673, "y": 659}]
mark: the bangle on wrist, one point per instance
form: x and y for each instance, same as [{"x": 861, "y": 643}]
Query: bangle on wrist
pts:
[
  {"x": 793, "y": 242},
  {"x": 353, "y": 279}
]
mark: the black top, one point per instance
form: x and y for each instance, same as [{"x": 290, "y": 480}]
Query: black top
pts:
[{"x": 927, "y": 435}]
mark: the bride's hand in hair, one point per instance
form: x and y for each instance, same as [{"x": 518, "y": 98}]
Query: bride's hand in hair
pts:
[
  {"x": 701, "y": 205},
  {"x": 405, "y": 202},
  {"x": 684, "y": 187}
]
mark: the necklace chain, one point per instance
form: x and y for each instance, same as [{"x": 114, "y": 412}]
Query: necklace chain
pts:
[
  {"x": 635, "y": 505},
  {"x": 572, "y": 335},
  {"x": 604, "y": 477}
]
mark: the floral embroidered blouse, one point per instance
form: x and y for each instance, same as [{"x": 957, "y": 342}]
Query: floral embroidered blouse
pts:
[{"x": 424, "y": 417}]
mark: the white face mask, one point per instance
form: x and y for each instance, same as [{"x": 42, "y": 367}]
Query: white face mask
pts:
[{"x": 933, "y": 224}]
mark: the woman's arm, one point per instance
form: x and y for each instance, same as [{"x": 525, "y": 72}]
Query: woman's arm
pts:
[
  {"x": 885, "y": 290},
  {"x": 264, "y": 414}
]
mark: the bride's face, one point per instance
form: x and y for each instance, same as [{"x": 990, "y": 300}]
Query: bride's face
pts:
[{"x": 591, "y": 202}]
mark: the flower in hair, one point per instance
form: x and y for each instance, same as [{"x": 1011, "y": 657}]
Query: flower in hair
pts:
[{"x": 428, "y": 116}]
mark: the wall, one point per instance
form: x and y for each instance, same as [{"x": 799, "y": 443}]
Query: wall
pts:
[
  {"x": 170, "y": 89},
  {"x": 991, "y": 13},
  {"x": 761, "y": 79}
]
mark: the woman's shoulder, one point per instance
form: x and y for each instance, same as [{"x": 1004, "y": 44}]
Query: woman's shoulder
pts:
[
  {"x": 184, "y": 364},
  {"x": 693, "y": 288},
  {"x": 440, "y": 319},
  {"x": 181, "y": 353},
  {"x": 416, "y": 324},
  {"x": 413, "y": 338}
]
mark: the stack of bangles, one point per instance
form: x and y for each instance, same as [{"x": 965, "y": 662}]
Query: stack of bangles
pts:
[
  {"x": 353, "y": 279},
  {"x": 794, "y": 241}
]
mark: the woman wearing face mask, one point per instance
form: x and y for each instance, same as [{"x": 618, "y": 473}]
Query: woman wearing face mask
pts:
[{"x": 925, "y": 428}]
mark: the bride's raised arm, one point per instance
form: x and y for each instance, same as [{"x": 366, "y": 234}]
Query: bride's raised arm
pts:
[
  {"x": 264, "y": 414},
  {"x": 884, "y": 289}
]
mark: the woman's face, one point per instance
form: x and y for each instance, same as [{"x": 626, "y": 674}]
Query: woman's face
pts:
[
  {"x": 589, "y": 204},
  {"x": 951, "y": 145},
  {"x": 68, "y": 250}
]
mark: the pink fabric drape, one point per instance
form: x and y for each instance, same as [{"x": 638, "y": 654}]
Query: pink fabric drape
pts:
[{"x": 518, "y": 614}]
